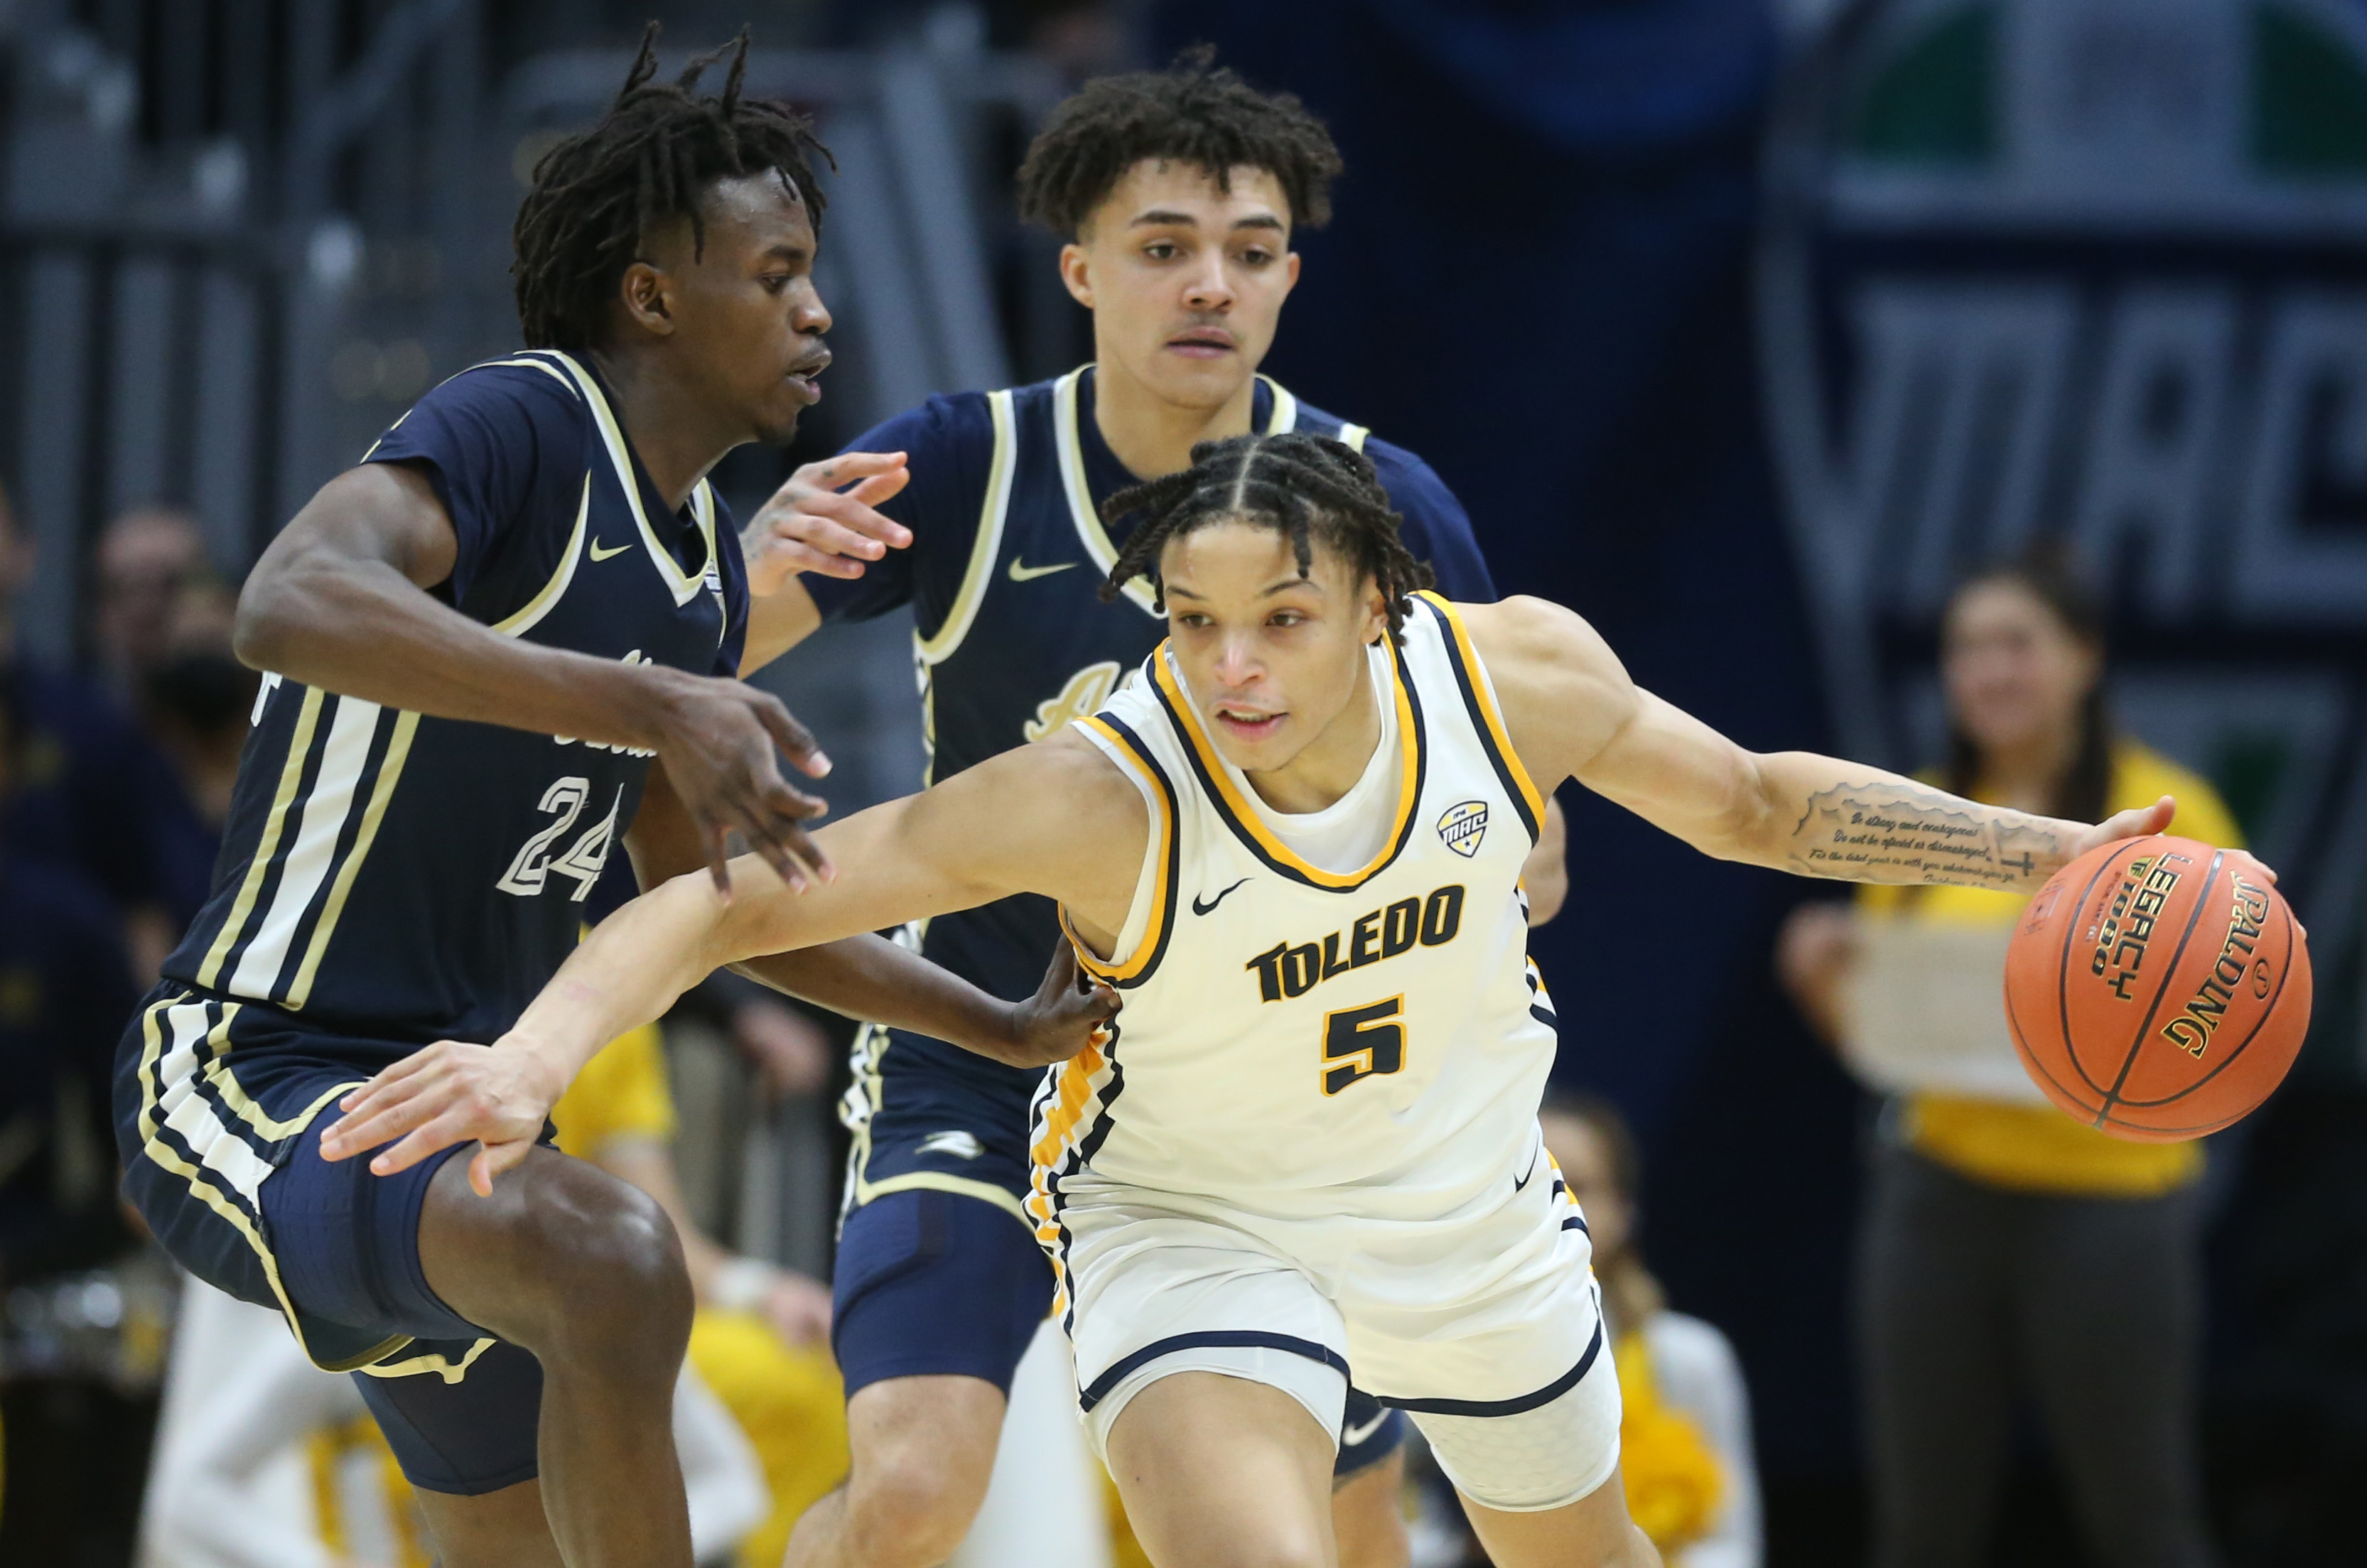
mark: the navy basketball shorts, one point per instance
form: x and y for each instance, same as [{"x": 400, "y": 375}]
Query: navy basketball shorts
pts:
[
  {"x": 933, "y": 1284},
  {"x": 1369, "y": 1433},
  {"x": 220, "y": 1110}
]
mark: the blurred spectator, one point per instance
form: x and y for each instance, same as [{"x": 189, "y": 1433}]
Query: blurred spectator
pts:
[
  {"x": 87, "y": 788},
  {"x": 1684, "y": 1437},
  {"x": 146, "y": 557},
  {"x": 761, "y": 1338},
  {"x": 78, "y": 1348},
  {"x": 64, "y": 993},
  {"x": 1077, "y": 38},
  {"x": 2008, "y": 1252},
  {"x": 195, "y": 700}
]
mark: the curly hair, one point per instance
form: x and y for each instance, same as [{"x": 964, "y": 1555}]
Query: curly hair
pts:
[
  {"x": 596, "y": 196},
  {"x": 1299, "y": 485},
  {"x": 1193, "y": 112}
]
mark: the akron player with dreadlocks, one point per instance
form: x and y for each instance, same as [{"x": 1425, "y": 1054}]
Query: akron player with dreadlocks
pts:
[
  {"x": 1181, "y": 190},
  {"x": 1308, "y": 1148},
  {"x": 476, "y": 642}
]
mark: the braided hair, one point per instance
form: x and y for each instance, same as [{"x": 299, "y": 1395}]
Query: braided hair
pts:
[
  {"x": 1297, "y": 484},
  {"x": 1195, "y": 113},
  {"x": 597, "y": 194}
]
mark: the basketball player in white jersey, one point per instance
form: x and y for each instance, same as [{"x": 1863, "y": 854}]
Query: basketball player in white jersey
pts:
[{"x": 1308, "y": 1149}]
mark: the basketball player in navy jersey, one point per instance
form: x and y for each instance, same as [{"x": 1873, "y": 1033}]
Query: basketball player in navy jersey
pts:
[
  {"x": 475, "y": 643},
  {"x": 1180, "y": 189}
]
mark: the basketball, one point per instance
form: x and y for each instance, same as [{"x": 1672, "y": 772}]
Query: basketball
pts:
[{"x": 2154, "y": 992}]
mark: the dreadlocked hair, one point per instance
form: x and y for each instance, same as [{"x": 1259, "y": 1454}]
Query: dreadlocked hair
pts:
[
  {"x": 1300, "y": 485},
  {"x": 1195, "y": 112},
  {"x": 598, "y": 195}
]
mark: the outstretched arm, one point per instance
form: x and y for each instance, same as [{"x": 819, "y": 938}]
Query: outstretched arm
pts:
[
  {"x": 869, "y": 977},
  {"x": 1575, "y": 713},
  {"x": 1055, "y": 818}
]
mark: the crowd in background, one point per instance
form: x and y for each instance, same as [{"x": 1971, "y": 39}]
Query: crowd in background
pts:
[{"x": 1541, "y": 273}]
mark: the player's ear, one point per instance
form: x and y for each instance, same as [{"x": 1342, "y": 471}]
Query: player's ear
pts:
[
  {"x": 1376, "y": 613},
  {"x": 1076, "y": 274},
  {"x": 647, "y": 295}
]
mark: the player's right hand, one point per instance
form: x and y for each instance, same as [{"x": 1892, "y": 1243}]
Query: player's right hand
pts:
[
  {"x": 1066, "y": 1014},
  {"x": 823, "y": 521},
  {"x": 452, "y": 1092},
  {"x": 721, "y": 742}
]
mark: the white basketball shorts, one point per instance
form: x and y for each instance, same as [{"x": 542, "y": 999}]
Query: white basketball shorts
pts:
[{"x": 1487, "y": 1331}]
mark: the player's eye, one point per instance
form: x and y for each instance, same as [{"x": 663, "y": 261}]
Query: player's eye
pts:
[
  {"x": 1192, "y": 618},
  {"x": 1161, "y": 250},
  {"x": 1287, "y": 618},
  {"x": 775, "y": 282},
  {"x": 1256, "y": 256}
]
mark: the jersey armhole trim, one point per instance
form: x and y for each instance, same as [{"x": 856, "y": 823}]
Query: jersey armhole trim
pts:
[
  {"x": 986, "y": 545},
  {"x": 1241, "y": 816},
  {"x": 1479, "y": 696},
  {"x": 1123, "y": 746},
  {"x": 1080, "y": 493},
  {"x": 529, "y": 614},
  {"x": 1284, "y": 416}
]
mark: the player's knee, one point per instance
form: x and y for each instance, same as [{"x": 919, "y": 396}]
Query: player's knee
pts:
[
  {"x": 1302, "y": 1549},
  {"x": 612, "y": 1269},
  {"x": 907, "y": 1509}
]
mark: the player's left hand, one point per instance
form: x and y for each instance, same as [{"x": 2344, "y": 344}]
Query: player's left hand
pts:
[
  {"x": 2135, "y": 823},
  {"x": 1064, "y": 1016},
  {"x": 2155, "y": 819},
  {"x": 821, "y": 519},
  {"x": 452, "y": 1092}
]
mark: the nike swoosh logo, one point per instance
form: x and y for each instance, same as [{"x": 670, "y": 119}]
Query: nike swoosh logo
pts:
[
  {"x": 599, "y": 554},
  {"x": 1200, "y": 909},
  {"x": 1351, "y": 1436},
  {"x": 1022, "y": 573},
  {"x": 1523, "y": 1180}
]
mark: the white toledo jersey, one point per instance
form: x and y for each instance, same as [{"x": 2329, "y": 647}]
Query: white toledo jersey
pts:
[{"x": 1302, "y": 1043}]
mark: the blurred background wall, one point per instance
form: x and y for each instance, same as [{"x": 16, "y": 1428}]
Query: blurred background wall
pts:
[{"x": 1741, "y": 327}]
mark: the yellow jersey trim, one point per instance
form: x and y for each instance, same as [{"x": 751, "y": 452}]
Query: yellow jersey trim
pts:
[
  {"x": 1136, "y": 965},
  {"x": 1483, "y": 701},
  {"x": 1243, "y": 817}
]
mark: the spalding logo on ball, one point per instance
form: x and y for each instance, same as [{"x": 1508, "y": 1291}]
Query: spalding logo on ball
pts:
[{"x": 2156, "y": 991}]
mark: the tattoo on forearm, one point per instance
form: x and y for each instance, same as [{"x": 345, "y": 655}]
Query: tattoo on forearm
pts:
[{"x": 1888, "y": 832}]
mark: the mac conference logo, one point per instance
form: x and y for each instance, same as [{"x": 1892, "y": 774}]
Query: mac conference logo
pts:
[
  {"x": 2092, "y": 271},
  {"x": 1462, "y": 825}
]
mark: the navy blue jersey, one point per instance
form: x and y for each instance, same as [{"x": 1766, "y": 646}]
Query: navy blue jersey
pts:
[
  {"x": 1013, "y": 642},
  {"x": 402, "y": 878}
]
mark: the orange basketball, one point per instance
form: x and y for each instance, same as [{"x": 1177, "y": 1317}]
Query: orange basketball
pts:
[{"x": 2155, "y": 993}]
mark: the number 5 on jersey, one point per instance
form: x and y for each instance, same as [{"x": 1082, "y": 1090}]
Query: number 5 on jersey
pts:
[{"x": 1360, "y": 1041}]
